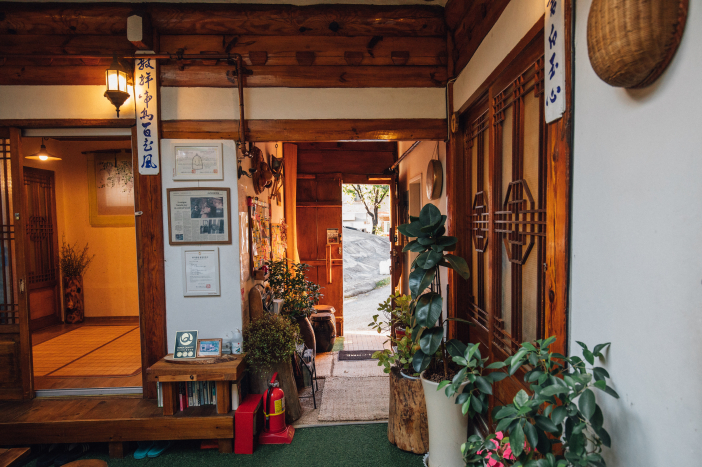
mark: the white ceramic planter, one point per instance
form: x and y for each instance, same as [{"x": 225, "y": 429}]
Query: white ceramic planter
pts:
[{"x": 448, "y": 427}]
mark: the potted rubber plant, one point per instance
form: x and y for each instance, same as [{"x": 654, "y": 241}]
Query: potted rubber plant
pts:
[
  {"x": 433, "y": 359},
  {"x": 73, "y": 263},
  {"x": 289, "y": 283},
  {"x": 561, "y": 410}
]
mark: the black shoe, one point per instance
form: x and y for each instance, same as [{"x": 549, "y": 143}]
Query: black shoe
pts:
[{"x": 75, "y": 451}]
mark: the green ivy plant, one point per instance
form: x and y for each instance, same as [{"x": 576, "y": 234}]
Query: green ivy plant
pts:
[
  {"x": 561, "y": 409},
  {"x": 430, "y": 242},
  {"x": 395, "y": 311}
]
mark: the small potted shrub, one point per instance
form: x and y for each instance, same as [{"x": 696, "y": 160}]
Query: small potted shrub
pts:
[
  {"x": 562, "y": 410},
  {"x": 269, "y": 344},
  {"x": 73, "y": 264},
  {"x": 407, "y": 418},
  {"x": 447, "y": 423},
  {"x": 289, "y": 283}
]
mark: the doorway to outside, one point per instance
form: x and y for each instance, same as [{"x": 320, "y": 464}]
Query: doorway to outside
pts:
[
  {"x": 85, "y": 331},
  {"x": 366, "y": 228}
]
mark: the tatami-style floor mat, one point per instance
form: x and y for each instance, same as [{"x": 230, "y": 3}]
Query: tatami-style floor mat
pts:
[
  {"x": 355, "y": 399},
  {"x": 121, "y": 357},
  {"x": 60, "y": 351}
]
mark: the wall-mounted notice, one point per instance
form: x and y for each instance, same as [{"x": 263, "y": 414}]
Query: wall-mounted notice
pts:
[
  {"x": 200, "y": 271},
  {"x": 146, "y": 94},
  {"x": 199, "y": 216},
  {"x": 554, "y": 57}
]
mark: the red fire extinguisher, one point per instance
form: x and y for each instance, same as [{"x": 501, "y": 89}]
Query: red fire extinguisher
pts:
[{"x": 275, "y": 431}]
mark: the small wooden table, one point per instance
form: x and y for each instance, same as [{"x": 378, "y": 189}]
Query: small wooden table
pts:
[{"x": 223, "y": 374}]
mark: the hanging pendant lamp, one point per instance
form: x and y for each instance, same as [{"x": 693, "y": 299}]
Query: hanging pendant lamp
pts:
[{"x": 43, "y": 154}]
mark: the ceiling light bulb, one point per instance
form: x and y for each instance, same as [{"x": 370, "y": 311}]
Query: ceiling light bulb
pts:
[{"x": 43, "y": 157}]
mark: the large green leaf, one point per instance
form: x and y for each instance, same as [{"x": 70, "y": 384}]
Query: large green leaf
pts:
[
  {"x": 521, "y": 398},
  {"x": 420, "y": 260},
  {"x": 426, "y": 241},
  {"x": 433, "y": 228},
  {"x": 531, "y": 435},
  {"x": 545, "y": 423},
  {"x": 516, "y": 440},
  {"x": 483, "y": 384},
  {"x": 429, "y": 215},
  {"x": 413, "y": 229},
  {"x": 446, "y": 241},
  {"x": 455, "y": 348},
  {"x": 433, "y": 259},
  {"x": 459, "y": 265},
  {"x": 414, "y": 246},
  {"x": 431, "y": 340},
  {"x": 428, "y": 309},
  {"x": 420, "y": 361},
  {"x": 587, "y": 403},
  {"x": 419, "y": 279}
]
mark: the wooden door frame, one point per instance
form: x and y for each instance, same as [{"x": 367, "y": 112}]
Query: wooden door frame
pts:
[{"x": 150, "y": 251}]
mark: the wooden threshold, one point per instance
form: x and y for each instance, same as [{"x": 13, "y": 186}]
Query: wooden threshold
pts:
[{"x": 93, "y": 420}]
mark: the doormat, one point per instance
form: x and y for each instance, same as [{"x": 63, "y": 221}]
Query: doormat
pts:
[
  {"x": 355, "y": 399},
  {"x": 356, "y": 354}
]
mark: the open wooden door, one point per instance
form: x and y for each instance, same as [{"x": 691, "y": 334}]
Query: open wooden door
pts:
[
  {"x": 15, "y": 338},
  {"x": 319, "y": 238},
  {"x": 395, "y": 240}
]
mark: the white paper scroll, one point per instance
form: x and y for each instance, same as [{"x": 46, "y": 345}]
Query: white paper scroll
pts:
[
  {"x": 554, "y": 60},
  {"x": 146, "y": 93}
]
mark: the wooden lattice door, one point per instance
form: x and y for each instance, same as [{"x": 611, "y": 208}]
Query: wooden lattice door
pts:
[
  {"x": 15, "y": 340},
  {"x": 42, "y": 247}
]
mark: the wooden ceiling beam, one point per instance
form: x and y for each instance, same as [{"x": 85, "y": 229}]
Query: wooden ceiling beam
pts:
[
  {"x": 310, "y": 130},
  {"x": 286, "y": 20}
]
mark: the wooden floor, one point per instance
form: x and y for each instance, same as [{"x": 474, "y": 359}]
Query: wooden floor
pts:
[
  {"x": 113, "y": 419},
  {"x": 102, "y": 354}
]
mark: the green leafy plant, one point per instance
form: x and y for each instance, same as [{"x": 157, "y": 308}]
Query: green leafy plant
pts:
[
  {"x": 474, "y": 396},
  {"x": 561, "y": 409},
  {"x": 72, "y": 261},
  {"x": 269, "y": 340},
  {"x": 289, "y": 282},
  {"x": 431, "y": 244},
  {"x": 397, "y": 312}
]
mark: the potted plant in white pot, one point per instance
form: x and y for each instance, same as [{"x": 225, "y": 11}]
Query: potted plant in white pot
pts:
[{"x": 448, "y": 424}]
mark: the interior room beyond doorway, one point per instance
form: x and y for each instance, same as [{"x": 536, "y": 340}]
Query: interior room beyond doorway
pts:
[{"x": 85, "y": 332}]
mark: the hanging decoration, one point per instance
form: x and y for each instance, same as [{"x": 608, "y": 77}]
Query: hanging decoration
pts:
[
  {"x": 630, "y": 43},
  {"x": 434, "y": 180}
]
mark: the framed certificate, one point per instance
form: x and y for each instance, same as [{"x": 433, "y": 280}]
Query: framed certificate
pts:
[
  {"x": 198, "y": 216},
  {"x": 200, "y": 272},
  {"x": 197, "y": 161}
]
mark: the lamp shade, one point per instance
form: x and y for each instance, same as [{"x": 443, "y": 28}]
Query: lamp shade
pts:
[
  {"x": 116, "y": 79},
  {"x": 43, "y": 155}
]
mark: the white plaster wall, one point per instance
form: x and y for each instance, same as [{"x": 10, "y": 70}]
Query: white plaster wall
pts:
[
  {"x": 413, "y": 165},
  {"x": 24, "y": 102},
  {"x": 636, "y": 268},
  {"x": 515, "y": 22},
  {"x": 211, "y": 316}
]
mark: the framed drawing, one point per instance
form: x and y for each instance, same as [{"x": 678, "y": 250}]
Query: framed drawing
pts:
[
  {"x": 198, "y": 216},
  {"x": 111, "y": 188},
  {"x": 200, "y": 271},
  {"x": 197, "y": 161}
]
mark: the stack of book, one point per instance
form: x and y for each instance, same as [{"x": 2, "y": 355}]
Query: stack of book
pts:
[{"x": 192, "y": 394}]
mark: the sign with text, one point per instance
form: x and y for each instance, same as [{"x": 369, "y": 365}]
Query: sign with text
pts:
[
  {"x": 146, "y": 94},
  {"x": 554, "y": 57}
]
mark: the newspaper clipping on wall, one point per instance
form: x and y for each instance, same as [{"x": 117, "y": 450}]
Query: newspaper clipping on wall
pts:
[{"x": 197, "y": 216}]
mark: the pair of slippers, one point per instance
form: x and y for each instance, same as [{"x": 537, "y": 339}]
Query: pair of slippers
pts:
[
  {"x": 54, "y": 456},
  {"x": 151, "y": 449}
]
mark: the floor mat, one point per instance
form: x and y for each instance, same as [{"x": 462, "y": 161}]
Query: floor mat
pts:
[
  {"x": 356, "y": 368},
  {"x": 355, "y": 399},
  {"x": 60, "y": 351},
  {"x": 121, "y": 357},
  {"x": 356, "y": 354}
]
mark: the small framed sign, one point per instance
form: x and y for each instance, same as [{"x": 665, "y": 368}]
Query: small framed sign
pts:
[
  {"x": 332, "y": 236},
  {"x": 200, "y": 271},
  {"x": 209, "y": 347},
  {"x": 185, "y": 344}
]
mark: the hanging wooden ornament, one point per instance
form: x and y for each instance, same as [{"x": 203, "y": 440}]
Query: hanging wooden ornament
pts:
[{"x": 631, "y": 42}]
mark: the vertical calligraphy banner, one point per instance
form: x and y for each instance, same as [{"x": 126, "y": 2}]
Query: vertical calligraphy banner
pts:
[
  {"x": 146, "y": 93},
  {"x": 554, "y": 55}
]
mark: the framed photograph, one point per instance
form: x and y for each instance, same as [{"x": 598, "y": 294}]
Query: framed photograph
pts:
[
  {"x": 200, "y": 271},
  {"x": 197, "y": 161},
  {"x": 332, "y": 236},
  {"x": 209, "y": 347},
  {"x": 111, "y": 188},
  {"x": 198, "y": 216}
]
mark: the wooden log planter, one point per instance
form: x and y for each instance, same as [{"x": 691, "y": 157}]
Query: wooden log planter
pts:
[{"x": 407, "y": 420}]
